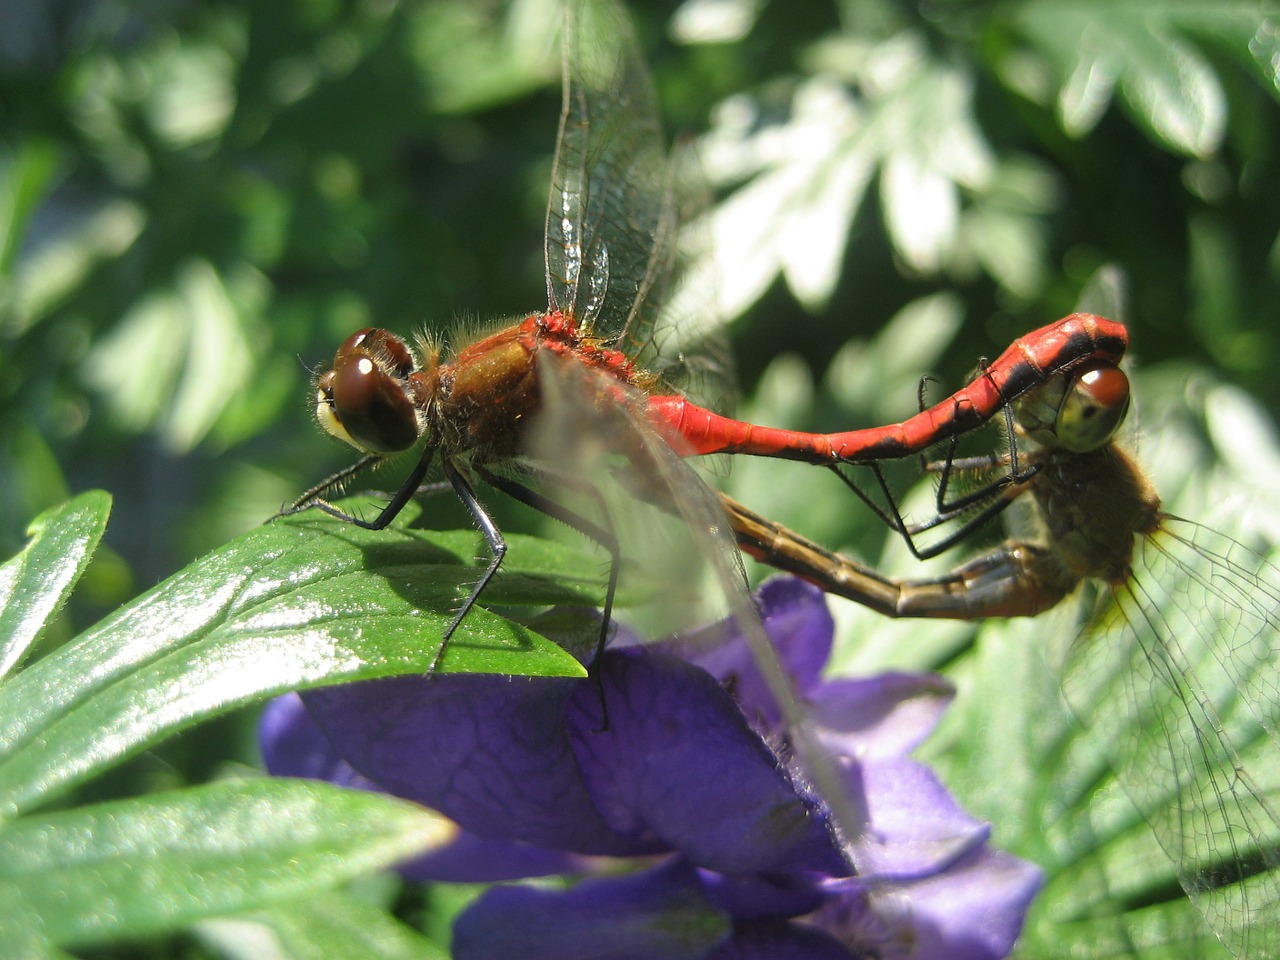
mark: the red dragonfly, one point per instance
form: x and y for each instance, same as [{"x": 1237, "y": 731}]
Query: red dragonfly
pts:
[
  {"x": 603, "y": 349},
  {"x": 1189, "y": 628}
]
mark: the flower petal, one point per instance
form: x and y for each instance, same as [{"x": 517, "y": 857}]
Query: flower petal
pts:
[
  {"x": 754, "y": 896},
  {"x": 882, "y": 716},
  {"x": 490, "y": 752},
  {"x": 653, "y": 915},
  {"x": 779, "y": 940},
  {"x": 471, "y": 859},
  {"x": 917, "y": 828},
  {"x": 976, "y": 908},
  {"x": 798, "y": 622},
  {"x": 679, "y": 761},
  {"x": 293, "y": 745}
]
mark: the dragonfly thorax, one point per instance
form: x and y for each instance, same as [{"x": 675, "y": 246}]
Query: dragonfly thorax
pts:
[
  {"x": 489, "y": 392},
  {"x": 1093, "y": 506}
]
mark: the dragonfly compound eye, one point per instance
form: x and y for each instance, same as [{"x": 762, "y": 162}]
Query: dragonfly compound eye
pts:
[
  {"x": 1093, "y": 408},
  {"x": 365, "y": 399},
  {"x": 392, "y": 352}
]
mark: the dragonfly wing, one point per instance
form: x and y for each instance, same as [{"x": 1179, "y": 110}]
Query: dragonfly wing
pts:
[
  {"x": 609, "y": 204},
  {"x": 619, "y": 214},
  {"x": 686, "y": 343},
  {"x": 587, "y": 438},
  {"x": 1241, "y": 591},
  {"x": 610, "y": 250},
  {"x": 1171, "y": 672}
]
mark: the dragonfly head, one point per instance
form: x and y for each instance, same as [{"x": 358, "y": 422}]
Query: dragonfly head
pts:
[
  {"x": 1093, "y": 407},
  {"x": 1078, "y": 410},
  {"x": 374, "y": 397}
]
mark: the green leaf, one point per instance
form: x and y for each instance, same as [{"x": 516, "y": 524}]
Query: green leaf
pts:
[
  {"x": 471, "y": 65},
  {"x": 320, "y": 927},
  {"x": 911, "y": 119},
  {"x": 196, "y": 341},
  {"x": 55, "y": 272},
  {"x": 20, "y": 927},
  {"x": 25, "y": 174},
  {"x": 140, "y": 867},
  {"x": 1148, "y": 52},
  {"x": 35, "y": 583},
  {"x": 300, "y": 602}
]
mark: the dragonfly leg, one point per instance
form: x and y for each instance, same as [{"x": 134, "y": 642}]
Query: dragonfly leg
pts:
[
  {"x": 890, "y": 516},
  {"x": 315, "y": 497},
  {"x": 922, "y": 403},
  {"x": 595, "y": 532},
  {"x": 989, "y": 502},
  {"x": 492, "y": 536},
  {"x": 999, "y": 497},
  {"x": 947, "y": 509},
  {"x": 1014, "y": 472},
  {"x": 599, "y": 534},
  {"x": 989, "y": 499}
]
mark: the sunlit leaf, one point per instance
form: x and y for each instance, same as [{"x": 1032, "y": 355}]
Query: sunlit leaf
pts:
[
  {"x": 318, "y": 927},
  {"x": 198, "y": 349},
  {"x": 192, "y": 94},
  {"x": 56, "y": 268},
  {"x": 471, "y": 64},
  {"x": 35, "y": 583},
  {"x": 1150, "y": 53},
  {"x": 912, "y": 122},
  {"x": 221, "y": 353},
  {"x": 24, "y": 177},
  {"x": 296, "y": 603}
]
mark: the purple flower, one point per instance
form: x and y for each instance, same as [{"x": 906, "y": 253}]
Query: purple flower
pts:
[{"x": 733, "y": 856}]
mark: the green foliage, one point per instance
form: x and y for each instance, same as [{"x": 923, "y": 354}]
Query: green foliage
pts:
[
  {"x": 36, "y": 583},
  {"x": 166, "y": 860},
  {"x": 198, "y": 202}
]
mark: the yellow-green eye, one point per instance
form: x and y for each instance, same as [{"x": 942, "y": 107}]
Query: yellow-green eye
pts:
[{"x": 1093, "y": 409}]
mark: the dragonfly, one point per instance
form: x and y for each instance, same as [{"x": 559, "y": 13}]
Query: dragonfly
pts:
[
  {"x": 1188, "y": 626},
  {"x": 603, "y": 357},
  {"x": 605, "y": 366}
]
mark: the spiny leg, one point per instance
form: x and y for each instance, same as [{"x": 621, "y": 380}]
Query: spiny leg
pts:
[
  {"x": 989, "y": 500},
  {"x": 404, "y": 493},
  {"x": 492, "y": 536},
  {"x": 601, "y": 535}
]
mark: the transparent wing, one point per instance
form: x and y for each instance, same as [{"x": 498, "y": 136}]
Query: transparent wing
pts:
[
  {"x": 610, "y": 219},
  {"x": 1178, "y": 671},
  {"x": 617, "y": 235},
  {"x": 640, "y": 479},
  {"x": 686, "y": 345},
  {"x": 610, "y": 252}
]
